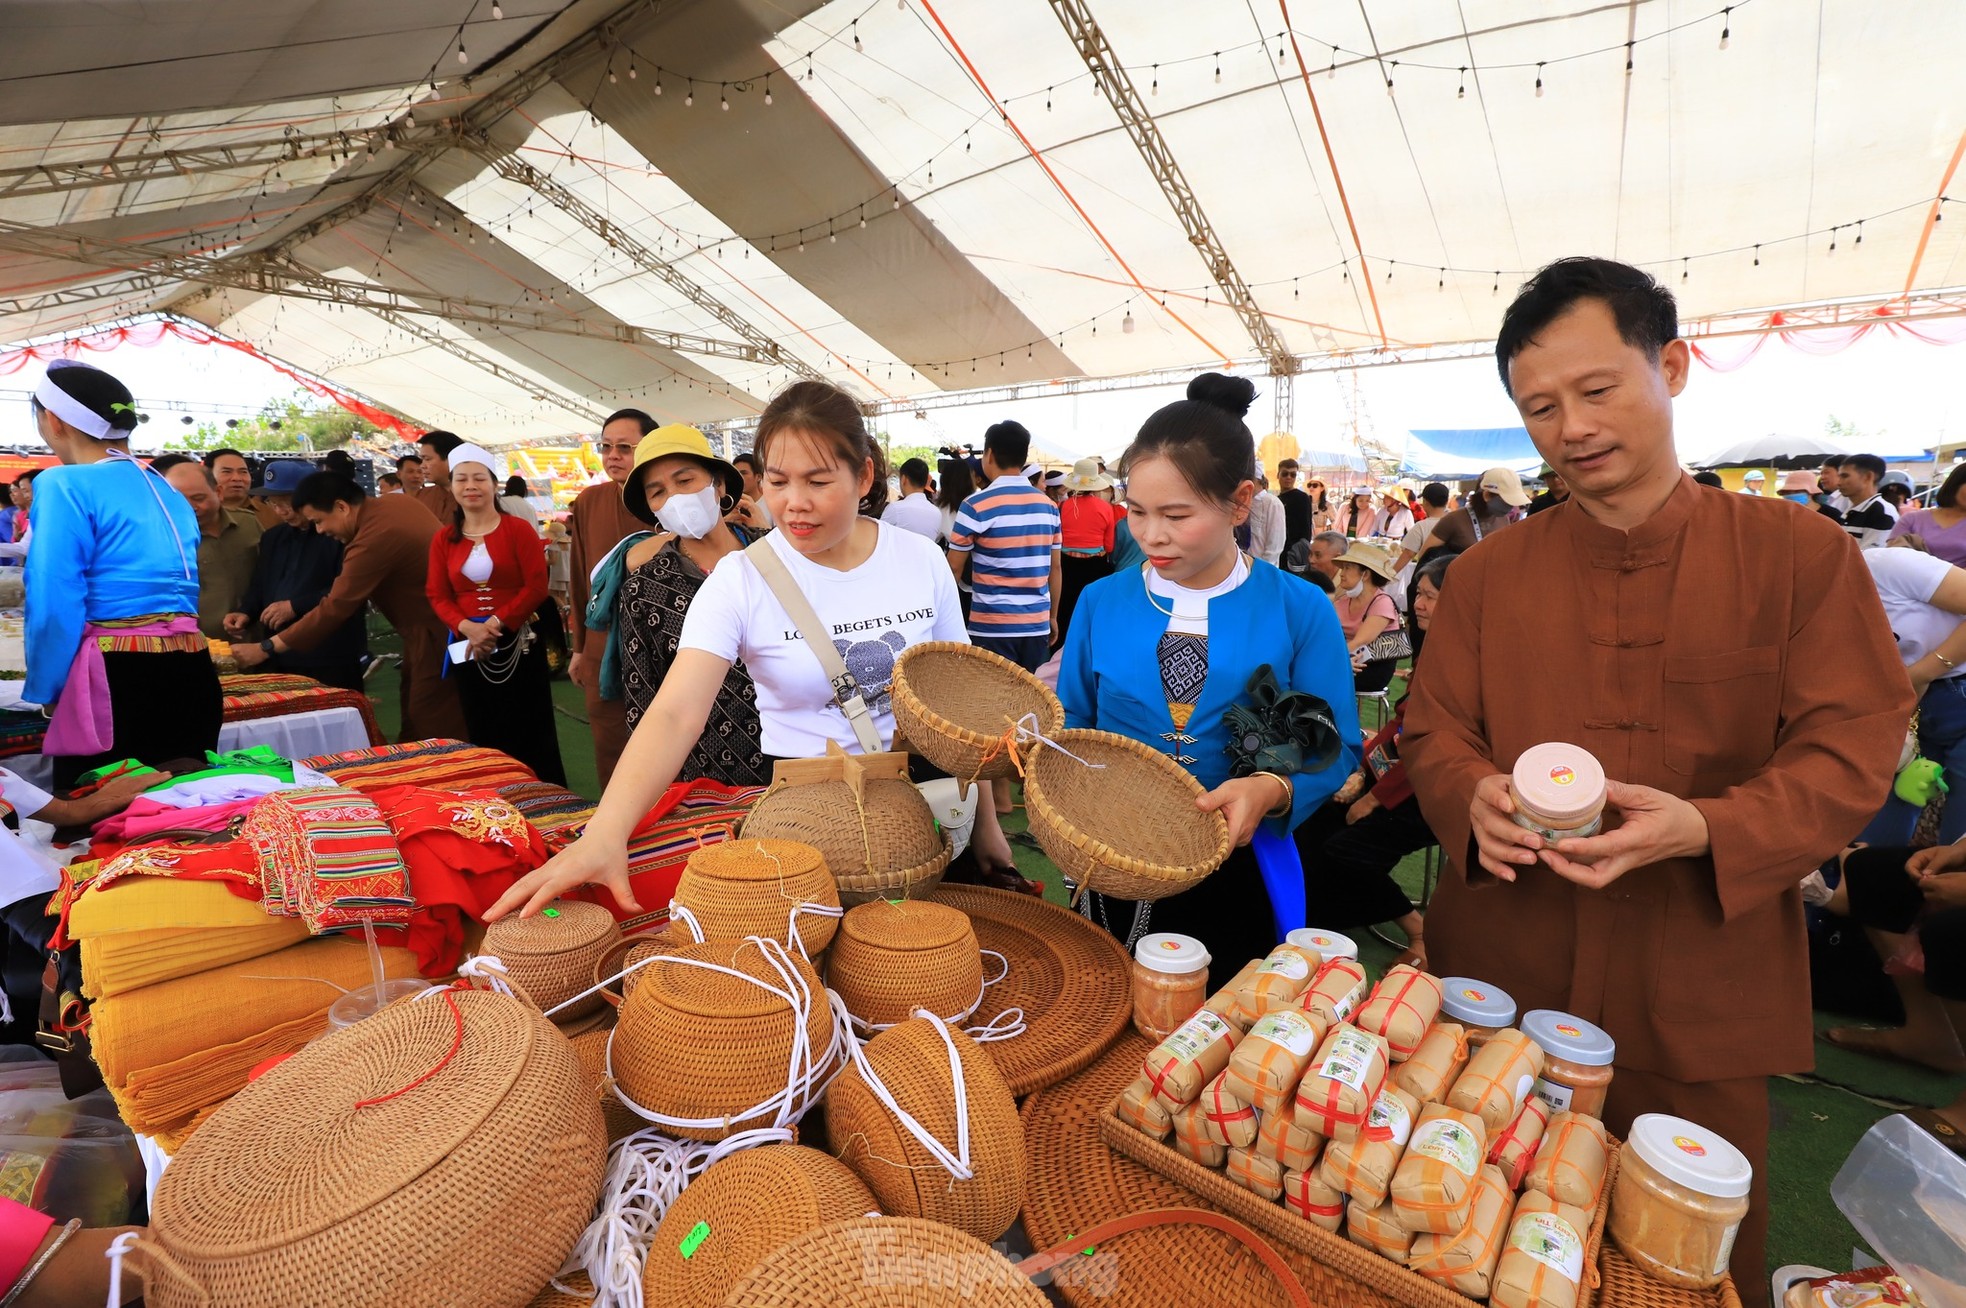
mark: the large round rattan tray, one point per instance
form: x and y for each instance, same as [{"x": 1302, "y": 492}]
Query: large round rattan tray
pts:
[
  {"x": 886, "y": 1262},
  {"x": 552, "y": 954},
  {"x": 749, "y": 1204},
  {"x": 1073, "y": 981},
  {"x": 893, "y": 957},
  {"x": 739, "y": 888},
  {"x": 1122, "y": 821},
  {"x": 883, "y": 846},
  {"x": 954, "y": 703},
  {"x": 318, "y": 1182}
]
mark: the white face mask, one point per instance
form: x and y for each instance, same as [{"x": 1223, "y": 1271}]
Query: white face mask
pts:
[
  {"x": 693, "y": 515},
  {"x": 1353, "y": 592}
]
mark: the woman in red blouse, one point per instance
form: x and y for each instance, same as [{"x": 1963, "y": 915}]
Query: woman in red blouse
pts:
[{"x": 487, "y": 576}]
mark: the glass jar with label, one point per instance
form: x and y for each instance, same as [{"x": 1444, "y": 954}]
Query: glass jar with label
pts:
[
  {"x": 1679, "y": 1200},
  {"x": 1170, "y": 981},
  {"x": 1558, "y": 791},
  {"x": 1577, "y": 1059},
  {"x": 1328, "y": 944},
  {"x": 1480, "y": 1008}
]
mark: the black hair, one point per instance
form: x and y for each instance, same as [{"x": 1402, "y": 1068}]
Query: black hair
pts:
[
  {"x": 339, "y": 461},
  {"x": 98, "y": 392},
  {"x": 1710, "y": 479},
  {"x": 642, "y": 420},
  {"x": 746, "y": 460},
  {"x": 516, "y": 485},
  {"x": 1204, "y": 436},
  {"x": 1434, "y": 495},
  {"x": 1433, "y": 568},
  {"x": 1318, "y": 579},
  {"x": 1948, "y": 492},
  {"x": 408, "y": 458},
  {"x": 321, "y": 491},
  {"x": 211, "y": 460},
  {"x": 28, "y": 476},
  {"x": 1897, "y": 494},
  {"x": 958, "y": 483},
  {"x": 1646, "y": 313},
  {"x": 1869, "y": 463},
  {"x": 441, "y": 441},
  {"x": 914, "y": 471},
  {"x": 833, "y": 419},
  {"x": 1008, "y": 443},
  {"x": 388, "y": 479},
  {"x": 1833, "y": 460},
  {"x": 165, "y": 462}
]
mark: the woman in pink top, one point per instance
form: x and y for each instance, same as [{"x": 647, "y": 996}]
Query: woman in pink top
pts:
[
  {"x": 1365, "y": 611},
  {"x": 1941, "y": 528}
]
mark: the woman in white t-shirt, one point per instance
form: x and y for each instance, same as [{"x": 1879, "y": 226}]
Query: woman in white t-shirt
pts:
[
  {"x": 878, "y": 588},
  {"x": 1925, "y": 601}
]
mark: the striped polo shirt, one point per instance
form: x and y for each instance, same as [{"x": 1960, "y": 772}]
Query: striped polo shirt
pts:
[{"x": 1010, "y": 531}]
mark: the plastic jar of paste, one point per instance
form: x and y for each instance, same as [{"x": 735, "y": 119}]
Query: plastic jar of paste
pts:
[
  {"x": 1170, "y": 981},
  {"x": 1558, "y": 791},
  {"x": 1328, "y": 944},
  {"x": 1577, "y": 1060},
  {"x": 1679, "y": 1200},
  {"x": 1479, "y": 1007}
]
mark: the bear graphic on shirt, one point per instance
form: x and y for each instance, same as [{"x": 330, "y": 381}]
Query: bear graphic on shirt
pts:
[{"x": 872, "y": 664}]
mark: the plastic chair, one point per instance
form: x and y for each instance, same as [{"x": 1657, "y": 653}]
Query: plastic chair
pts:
[{"x": 1372, "y": 683}]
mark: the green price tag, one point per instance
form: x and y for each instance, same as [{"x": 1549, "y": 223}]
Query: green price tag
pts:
[
  {"x": 549, "y": 912},
  {"x": 694, "y": 1240}
]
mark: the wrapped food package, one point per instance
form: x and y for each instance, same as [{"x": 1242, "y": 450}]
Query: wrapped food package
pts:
[
  {"x": 1227, "y": 1119},
  {"x": 1542, "y": 1264},
  {"x": 1430, "y": 1073},
  {"x": 1306, "y": 1194},
  {"x": 1401, "y": 1008},
  {"x": 1514, "y": 1150},
  {"x": 1182, "y": 1064},
  {"x": 1270, "y": 1060},
  {"x": 1571, "y": 1161},
  {"x": 1191, "y": 1137},
  {"x": 1335, "y": 992},
  {"x": 1363, "y": 1167},
  {"x": 1295, "y": 1147},
  {"x": 1434, "y": 1184},
  {"x": 1223, "y": 1002},
  {"x": 1375, "y": 1229},
  {"x": 1255, "y": 1173},
  {"x": 1278, "y": 980},
  {"x": 1142, "y": 1110},
  {"x": 1338, "y": 1088},
  {"x": 1498, "y": 1078},
  {"x": 1466, "y": 1260}
]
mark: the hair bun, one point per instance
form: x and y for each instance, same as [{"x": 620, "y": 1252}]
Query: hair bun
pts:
[{"x": 1235, "y": 394}]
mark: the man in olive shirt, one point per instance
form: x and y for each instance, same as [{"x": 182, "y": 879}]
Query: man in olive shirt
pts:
[{"x": 228, "y": 547}]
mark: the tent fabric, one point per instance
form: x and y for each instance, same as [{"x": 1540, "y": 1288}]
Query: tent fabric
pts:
[
  {"x": 937, "y": 196},
  {"x": 1496, "y": 445}
]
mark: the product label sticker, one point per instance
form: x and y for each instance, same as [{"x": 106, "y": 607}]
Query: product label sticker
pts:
[
  {"x": 1475, "y": 995},
  {"x": 1552, "y": 1242},
  {"x": 1286, "y": 963},
  {"x": 694, "y": 1240},
  {"x": 1450, "y": 1142},
  {"x": 1390, "y": 1115},
  {"x": 1195, "y": 1035},
  {"x": 1562, "y": 776},
  {"x": 1171, "y": 946},
  {"x": 1523, "y": 1085},
  {"x": 1555, "y": 1095},
  {"x": 1571, "y": 1031},
  {"x": 1726, "y": 1252},
  {"x": 1686, "y": 1146},
  {"x": 549, "y": 912},
  {"x": 1289, "y": 1028},
  {"x": 1350, "y": 1059}
]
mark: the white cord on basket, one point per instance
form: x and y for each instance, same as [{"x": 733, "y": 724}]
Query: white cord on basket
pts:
[
  {"x": 118, "y": 1250},
  {"x": 486, "y": 968},
  {"x": 681, "y": 913},
  {"x": 1010, "y": 1022},
  {"x": 1027, "y": 732},
  {"x": 955, "y": 1162}
]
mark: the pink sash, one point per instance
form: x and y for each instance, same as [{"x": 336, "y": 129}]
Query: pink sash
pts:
[{"x": 82, "y": 723}]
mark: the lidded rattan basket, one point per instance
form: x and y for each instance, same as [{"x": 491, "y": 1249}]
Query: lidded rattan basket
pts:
[
  {"x": 709, "y": 1049},
  {"x": 741, "y": 1209},
  {"x": 445, "y": 1150},
  {"x": 864, "y": 816},
  {"x": 912, "y": 1061},
  {"x": 885, "y": 1262},
  {"x": 739, "y": 888},
  {"x": 591, "y": 1048},
  {"x": 1119, "y": 817},
  {"x": 552, "y": 954},
  {"x": 627, "y": 952},
  {"x": 959, "y": 706},
  {"x": 895, "y": 956}
]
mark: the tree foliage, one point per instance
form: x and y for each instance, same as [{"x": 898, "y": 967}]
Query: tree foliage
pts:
[{"x": 299, "y": 422}]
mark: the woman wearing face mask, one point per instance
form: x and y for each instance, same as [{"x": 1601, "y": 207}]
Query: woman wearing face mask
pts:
[
  {"x": 1161, "y": 652},
  {"x": 681, "y": 487},
  {"x": 885, "y": 589},
  {"x": 487, "y": 576},
  {"x": 1365, "y": 611}
]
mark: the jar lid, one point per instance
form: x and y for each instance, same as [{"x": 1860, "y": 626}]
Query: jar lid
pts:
[
  {"x": 1570, "y": 1038},
  {"x": 1329, "y": 944},
  {"x": 1476, "y": 1003},
  {"x": 1690, "y": 1155},
  {"x": 1164, "y": 951},
  {"x": 1558, "y": 781}
]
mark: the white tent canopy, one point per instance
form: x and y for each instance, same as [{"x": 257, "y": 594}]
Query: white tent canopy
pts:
[{"x": 937, "y": 195}]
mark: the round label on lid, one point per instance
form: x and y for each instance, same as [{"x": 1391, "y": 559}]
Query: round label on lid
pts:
[
  {"x": 1569, "y": 1037},
  {"x": 1475, "y": 995},
  {"x": 1475, "y": 1003},
  {"x": 1558, "y": 785},
  {"x": 1328, "y": 944},
  {"x": 1165, "y": 951},
  {"x": 1568, "y": 1030},
  {"x": 1562, "y": 776},
  {"x": 1689, "y": 1155}
]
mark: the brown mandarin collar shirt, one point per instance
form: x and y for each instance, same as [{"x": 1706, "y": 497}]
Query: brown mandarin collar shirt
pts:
[
  {"x": 1731, "y": 651},
  {"x": 436, "y": 497},
  {"x": 600, "y": 521}
]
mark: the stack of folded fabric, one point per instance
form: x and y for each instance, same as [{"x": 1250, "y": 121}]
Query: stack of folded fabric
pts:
[{"x": 447, "y": 764}]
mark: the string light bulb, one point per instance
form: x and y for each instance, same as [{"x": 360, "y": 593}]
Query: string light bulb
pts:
[
  {"x": 1156, "y": 88},
  {"x": 462, "y": 57},
  {"x": 1462, "y": 94},
  {"x": 498, "y": 11},
  {"x": 723, "y": 99},
  {"x": 658, "y": 83},
  {"x": 631, "y": 67},
  {"x": 1126, "y": 323},
  {"x": 1539, "y": 81},
  {"x": 1726, "y": 25},
  {"x": 856, "y": 36},
  {"x": 689, "y": 96},
  {"x": 767, "y": 90},
  {"x": 1218, "y": 67}
]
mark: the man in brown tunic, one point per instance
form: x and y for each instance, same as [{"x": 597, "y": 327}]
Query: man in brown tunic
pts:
[
  {"x": 386, "y": 560},
  {"x": 600, "y": 522},
  {"x": 435, "y": 448},
  {"x": 1728, "y": 662}
]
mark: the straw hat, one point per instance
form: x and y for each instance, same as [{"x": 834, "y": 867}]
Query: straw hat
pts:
[
  {"x": 1800, "y": 481},
  {"x": 1370, "y": 557},
  {"x": 676, "y": 438},
  {"x": 1085, "y": 476}
]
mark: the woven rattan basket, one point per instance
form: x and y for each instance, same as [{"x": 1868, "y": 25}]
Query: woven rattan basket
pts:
[
  {"x": 1120, "y": 818},
  {"x": 625, "y": 953},
  {"x": 740, "y": 888},
  {"x": 865, "y": 818},
  {"x": 959, "y": 706},
  {"x": 895, "y": 956},
  {"x": 446, "y": 1150},
  {"x": 591, "y": 1048},
  {"x": 697, "y": 1044},
  {"x": 913, "y": 1062},
  {"x": 552, "y": 954},
  {"x": 738, "y": 1211},
  {"x": 885, "y": 1262}
]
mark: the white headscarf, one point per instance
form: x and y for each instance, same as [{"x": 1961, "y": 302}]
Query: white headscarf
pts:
[{"x": 469, "y": 453}]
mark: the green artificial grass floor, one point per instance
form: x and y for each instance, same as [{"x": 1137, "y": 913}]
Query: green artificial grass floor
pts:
[{"x": 1817, "y": 1119}]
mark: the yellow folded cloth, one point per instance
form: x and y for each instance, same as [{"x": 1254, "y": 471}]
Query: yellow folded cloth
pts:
[
  {"x": 131, "y": 960},
  {"x": 150, "y": 903},
  {"x": 153, "y": 1099}
]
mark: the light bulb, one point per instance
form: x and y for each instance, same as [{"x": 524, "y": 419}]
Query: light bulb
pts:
[
  {"x": 498, "y": 11},
  {"x": 767, "y": 97},
  {"x": 1126, "y": 323},
  {"x": 462, "y": 57}
]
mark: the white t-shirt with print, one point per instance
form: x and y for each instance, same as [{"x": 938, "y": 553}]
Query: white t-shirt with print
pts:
[
  {"x": 1907, "y": 579},
  {"x": 904, "y": 594}
]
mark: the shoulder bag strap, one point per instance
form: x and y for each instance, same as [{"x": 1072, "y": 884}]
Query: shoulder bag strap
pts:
[{"x": 846, "y": 691}]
